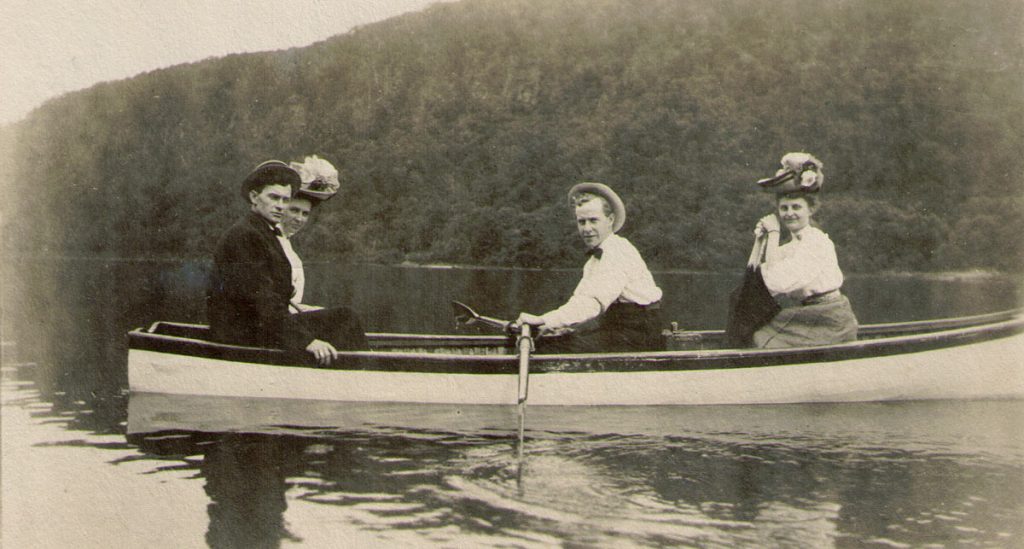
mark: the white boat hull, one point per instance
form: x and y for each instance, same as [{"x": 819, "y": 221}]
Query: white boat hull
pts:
[{"x": 992, "y": 368}]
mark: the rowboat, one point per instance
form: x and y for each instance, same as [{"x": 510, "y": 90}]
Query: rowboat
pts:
[{"x": 974, "y": 357}]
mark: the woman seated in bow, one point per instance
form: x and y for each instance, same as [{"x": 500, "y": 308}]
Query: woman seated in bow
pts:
[
  {"x": 799, "y": 265},
  {"x": 319, "y": 184}
]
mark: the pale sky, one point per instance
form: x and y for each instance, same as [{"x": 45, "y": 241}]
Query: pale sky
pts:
[{"x": 49, "y": 47}]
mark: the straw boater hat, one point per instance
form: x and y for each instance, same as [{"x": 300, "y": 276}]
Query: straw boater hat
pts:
[
  {"x": 602, "y": 190},
  {"x": 800, "y": 172},
  {"x": 319, "y": 178},
  {"x": 271, "y": 172}
]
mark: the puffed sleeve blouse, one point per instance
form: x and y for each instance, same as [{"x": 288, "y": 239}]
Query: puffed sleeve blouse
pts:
[{"x": 804, "y": 267}]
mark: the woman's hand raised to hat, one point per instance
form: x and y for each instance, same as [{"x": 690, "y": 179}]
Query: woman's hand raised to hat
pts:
[{"x": 766, "y": 224}]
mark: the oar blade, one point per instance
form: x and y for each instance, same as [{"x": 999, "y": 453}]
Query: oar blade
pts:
[
  {"x": 463, "y": 313},
  {"x": 466, "y": 315}
]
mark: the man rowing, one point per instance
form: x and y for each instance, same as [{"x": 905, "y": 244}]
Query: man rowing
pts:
[{"x": 616, "y": 305}]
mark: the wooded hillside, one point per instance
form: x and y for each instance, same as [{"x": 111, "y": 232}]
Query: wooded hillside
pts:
[{"x": 458, "y": 130}]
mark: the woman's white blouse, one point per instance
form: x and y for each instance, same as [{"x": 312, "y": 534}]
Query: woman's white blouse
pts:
[
  {"x": 298, "y": 274},
  {"x": 804, "y": 266}
]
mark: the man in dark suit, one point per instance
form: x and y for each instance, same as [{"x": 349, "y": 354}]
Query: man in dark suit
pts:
[{"x": 250, "y": 286}]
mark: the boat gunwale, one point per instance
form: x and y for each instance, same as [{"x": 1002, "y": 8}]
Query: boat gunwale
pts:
[
  {"x": 873, "y": 331},
  {"x": 719, "y": 358}
]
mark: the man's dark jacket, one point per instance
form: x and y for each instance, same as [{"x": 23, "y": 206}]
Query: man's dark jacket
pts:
[{"x": 251, "y": 283}]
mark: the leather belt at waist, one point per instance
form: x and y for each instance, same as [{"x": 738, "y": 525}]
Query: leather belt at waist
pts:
[
  {"x": 648, "y": 307},
  {"x": 823, "y": 297}
]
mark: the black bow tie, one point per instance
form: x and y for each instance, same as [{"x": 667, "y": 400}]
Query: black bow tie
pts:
[
  {"x": 276, "y": 230},
  {"x": 596, "y": 252}
]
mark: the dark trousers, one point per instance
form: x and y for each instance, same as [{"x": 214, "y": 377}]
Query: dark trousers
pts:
[
  {"x": 338, "y": 326},
  {"x": 623, "y": 327}
]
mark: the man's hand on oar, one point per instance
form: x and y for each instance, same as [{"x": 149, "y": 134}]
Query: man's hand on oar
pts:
[
  {"x": 532, "y": 320},
  {"x": 527, "y": 319}
]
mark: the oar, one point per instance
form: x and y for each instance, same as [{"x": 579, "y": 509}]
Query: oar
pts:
[
  {"x": 521, "y": 448},
  {"x": 757, "y": 252},
  {"x": 525, "y": 344},
  {"x": 466, "y": 315}
]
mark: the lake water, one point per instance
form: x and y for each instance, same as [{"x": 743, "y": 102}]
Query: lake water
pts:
[{"x": 214, "y": 472}]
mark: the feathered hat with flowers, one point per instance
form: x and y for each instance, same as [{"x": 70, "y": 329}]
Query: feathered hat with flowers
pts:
[
  {"x": 800, "y": 171},
  {"x": 319, "y": 178}
]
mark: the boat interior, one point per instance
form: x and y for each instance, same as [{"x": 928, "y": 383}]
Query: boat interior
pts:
[{"x": 477, "y": 344}]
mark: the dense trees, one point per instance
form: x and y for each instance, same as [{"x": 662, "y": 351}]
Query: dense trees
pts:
[{"x": 458, "y": 130}]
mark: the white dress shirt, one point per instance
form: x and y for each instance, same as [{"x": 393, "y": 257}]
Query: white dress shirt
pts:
[
  {"x": 804, "y": 266},
  {"x": 619, "y": 275},
  {"x": 298, "y": 273}
]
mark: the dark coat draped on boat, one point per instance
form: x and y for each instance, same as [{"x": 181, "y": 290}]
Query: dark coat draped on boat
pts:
[
  {"x": 247, "y": 298},
  {"x": 751, "y": 306}
]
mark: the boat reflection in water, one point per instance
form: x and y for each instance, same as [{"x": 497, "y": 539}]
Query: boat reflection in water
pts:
[{"x": 790, "y": 475}]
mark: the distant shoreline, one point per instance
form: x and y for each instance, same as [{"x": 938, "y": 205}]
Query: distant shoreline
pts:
[{"x": 967, "y": 274}]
